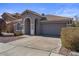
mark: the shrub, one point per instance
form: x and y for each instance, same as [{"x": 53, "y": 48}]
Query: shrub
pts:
[
  {"x": 75, "y": 24},
  {"x": 17, "y": 33},
  {"x": 70, "y": 38}
]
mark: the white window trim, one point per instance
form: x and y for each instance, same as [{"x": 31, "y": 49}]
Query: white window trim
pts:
[{"x": 16, "y": 28}]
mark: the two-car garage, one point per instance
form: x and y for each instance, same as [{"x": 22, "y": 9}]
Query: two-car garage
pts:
[{"x": 51, "y": 28}]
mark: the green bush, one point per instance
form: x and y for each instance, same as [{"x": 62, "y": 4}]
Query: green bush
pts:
[{"x": 70, "y": 38}]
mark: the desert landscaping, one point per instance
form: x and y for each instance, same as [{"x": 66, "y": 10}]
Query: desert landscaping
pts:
[
  {"x": 31, "y": 33},
  {"x": 26, "y": 45}
]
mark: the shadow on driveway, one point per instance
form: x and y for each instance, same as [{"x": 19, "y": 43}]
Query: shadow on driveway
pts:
[{"x": 9, "y": 38}]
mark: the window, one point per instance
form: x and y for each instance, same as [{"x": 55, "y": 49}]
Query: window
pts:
[{"x": 19, "y": 27}]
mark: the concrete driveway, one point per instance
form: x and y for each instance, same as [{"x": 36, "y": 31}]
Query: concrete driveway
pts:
[{"x": 31, "y": 46}]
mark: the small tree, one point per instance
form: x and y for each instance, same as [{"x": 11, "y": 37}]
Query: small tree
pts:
[
  {"x": 76, "y": 21},
  {"x": 43, "y": 14}
]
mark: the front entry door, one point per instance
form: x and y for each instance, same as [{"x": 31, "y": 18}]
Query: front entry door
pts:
[{"x": 27, "y": 26}]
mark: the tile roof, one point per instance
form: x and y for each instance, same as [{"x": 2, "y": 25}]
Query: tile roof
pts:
[
  {"x": 29, "y": 11},
  {"x": 14, "y": 21},
  {"x": 57, "y": 18}
]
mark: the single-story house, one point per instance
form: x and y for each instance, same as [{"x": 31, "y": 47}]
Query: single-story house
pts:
[{"x": 32, "y": 23}]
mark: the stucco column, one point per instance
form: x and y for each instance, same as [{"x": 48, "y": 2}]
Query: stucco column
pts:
[
  {"x": 15, "y": 28},
  {"x": 23, "y": 26},
  {"x": 32, "y": 27},
  {"x": 23, "y": 29}
]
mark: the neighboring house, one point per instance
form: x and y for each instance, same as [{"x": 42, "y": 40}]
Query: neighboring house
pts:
[
  {"x": 32, "y": 23},
  {"x": 2, "y": 25},
  {"x": 9, "y": 19}
]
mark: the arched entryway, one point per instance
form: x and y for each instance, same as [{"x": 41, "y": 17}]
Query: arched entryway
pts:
[{"x": 27, "y": 26}]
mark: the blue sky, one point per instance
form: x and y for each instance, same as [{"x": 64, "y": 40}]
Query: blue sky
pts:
[{"x": 62, "y": 9}]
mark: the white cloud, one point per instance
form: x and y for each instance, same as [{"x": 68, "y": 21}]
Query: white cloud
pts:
[
  {"x": 42, "y": 9},
  {"x": 36, "y": 9},
  {"x": 68, "y": 12}
]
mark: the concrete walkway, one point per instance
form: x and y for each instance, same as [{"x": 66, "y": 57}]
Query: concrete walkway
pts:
[{"x": 31, "y": 46}]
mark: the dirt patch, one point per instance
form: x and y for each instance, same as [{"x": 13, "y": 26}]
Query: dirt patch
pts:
[{"x": 6, "y": 39}]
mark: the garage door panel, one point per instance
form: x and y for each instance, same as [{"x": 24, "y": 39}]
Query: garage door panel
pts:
[{"x": 51, "y": 29}]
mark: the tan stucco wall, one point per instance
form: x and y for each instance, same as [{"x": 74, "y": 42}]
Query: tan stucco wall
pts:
[
  {"x": 10, "y": 28},
  {"x": 32, "y": 18}
]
